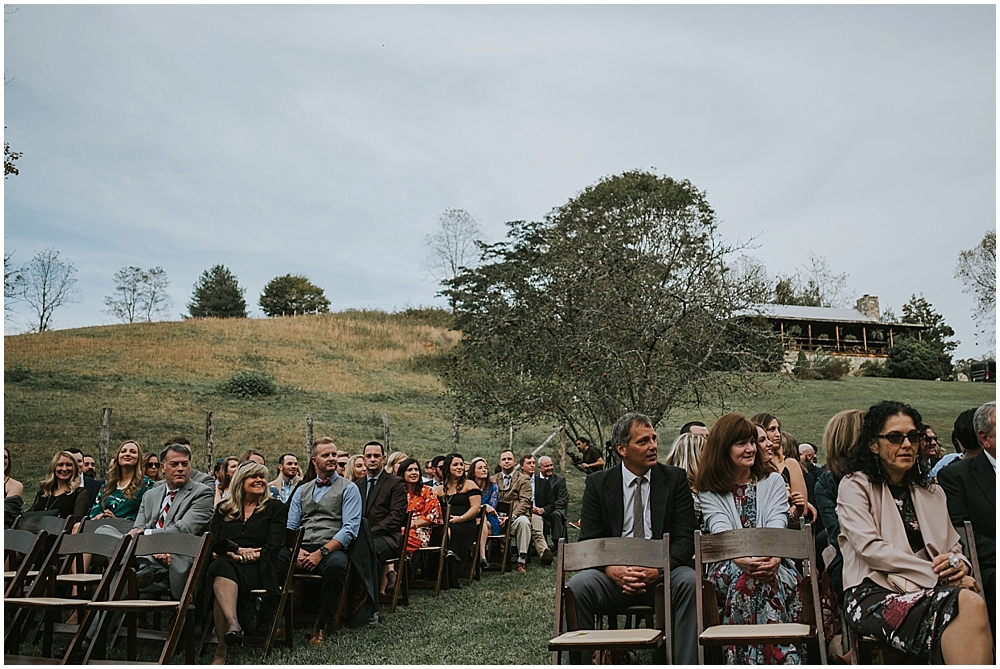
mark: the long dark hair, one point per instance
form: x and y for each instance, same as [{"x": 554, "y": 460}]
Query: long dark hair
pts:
[
  {"x": 861, "y": 458},
  {"x": 403, "y": 466},
  {"x": 716, "y": 472},
  {"x": 446, "y": 474}
]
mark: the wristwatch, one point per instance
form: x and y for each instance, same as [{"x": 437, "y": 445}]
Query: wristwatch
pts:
[{"x": 324, "y": 551}]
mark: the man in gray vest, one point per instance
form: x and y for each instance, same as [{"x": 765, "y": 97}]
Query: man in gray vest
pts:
[{"x": 328, "y": 508}]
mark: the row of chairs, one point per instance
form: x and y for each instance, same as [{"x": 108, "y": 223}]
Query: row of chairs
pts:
[{"x": 797, "y": 545}]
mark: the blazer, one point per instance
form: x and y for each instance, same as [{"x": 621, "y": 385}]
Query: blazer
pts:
[
  {"x": 873, "y": 540},
  {"x": 519, "y": 495},
  {"x": 190, "y": 513},
  {"x": 671, "y": 509},
  {"x": 719, "y": 509},
  {"x": 972, "y": 495},
  {"x": 385, "y": 508},
  {"x": 552, "y": 495},
  {"x": 93, "y": 487}
]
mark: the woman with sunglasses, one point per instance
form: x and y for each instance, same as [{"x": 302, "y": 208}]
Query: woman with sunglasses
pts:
[
  {"x": 906, "y": 582},
  {"x": 151, "y": 466}
]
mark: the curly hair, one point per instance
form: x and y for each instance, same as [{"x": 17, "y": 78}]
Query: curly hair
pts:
[{"x": 862, "y": 459}]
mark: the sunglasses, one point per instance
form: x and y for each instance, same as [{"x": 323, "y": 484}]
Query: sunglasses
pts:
[
  {"x": 914, "y": 437},
  {"x": 152, "y": 465}
]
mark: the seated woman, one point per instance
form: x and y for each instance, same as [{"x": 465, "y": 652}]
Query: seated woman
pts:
[
  {"x": 151, "y": 466},
  {"x": 906, "y": 582},
  {"x": 393, "y": 461},
  {"x": 490, "y": 494},
  {"x": 464, "y": 498},
  {"x": 11, "y": 486},
  {"x": 60, "y": 490},
  {"x": 685, "y": 453},
  {"x": 125, "y": 485},
  {"x": 255, "y": 523},
  {"x": 356, "y": 468},
  {"x": 738, "y": 491},
  {"x": 422, "y": 501},
  {"x": 791, "y": 472},
  {"x": 229, "y": 466}
]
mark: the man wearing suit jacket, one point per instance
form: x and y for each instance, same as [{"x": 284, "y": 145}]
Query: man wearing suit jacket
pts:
[
  {"x": 515, "y": 489},
  {"x": 972, "y": 495},
  {"x": 383, "y": 503},
  {"x": 541, "y": 493},
  {"x": 91, "y": 486},
  {"x": 639, "y": 498},
  {"x": 553, "y": 507},
  {"x": 180, "y": 505}
]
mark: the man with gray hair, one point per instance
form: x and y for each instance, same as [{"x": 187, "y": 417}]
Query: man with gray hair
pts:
[
  {"x": 971, "y": 488},
  {"x": 644, "y": 499},
  {"x": 553, "y": 510}
]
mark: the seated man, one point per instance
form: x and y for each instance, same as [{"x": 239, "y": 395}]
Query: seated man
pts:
[
  {"x": 553, "y": 509},
  {"x": 612, "y": 502},
  {"x": 196, "y": 475},
  {"x": 515, "y": 489},
  {"x": 329, "y": 509},
  {"x": 288, "y": 477},
  {"x": 179, "y": 505},
  {"x": 541, "y": 492},
  {"x": 383, "y": 498},
  {"x": 90, "y": 484}
]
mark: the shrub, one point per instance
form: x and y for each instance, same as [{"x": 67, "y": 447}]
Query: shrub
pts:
[
  {"x": 873, "y": 368},
  {"x": 913, "y": 359},
  {"x": 15, "y": 374},
  {"x": 822, "y": 366},
  {"x": 250, "y": 383}
]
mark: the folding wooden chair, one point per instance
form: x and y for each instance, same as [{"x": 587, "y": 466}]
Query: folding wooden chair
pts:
[
  {"x": 477, "y": 546},
  {"x": 123, "y": 525},
  {"x": 24, "y": 551},
  {"x": 601, "y": 553},
  {"x": 44, "y": 594},
  {"x": 503, "y": 538},
  {"x": 306, "y": 581},
  {"x": 36, "y": 523},
  {"x": 764, "y": 541},
  {"x": 442, "y": 553},
  {"x": 401, "y": 586},
  {"x": 126, "y": 599}
]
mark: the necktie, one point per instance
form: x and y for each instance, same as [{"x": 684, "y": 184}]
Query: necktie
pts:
[
  {"x": 506, "y": 481},
  {"x": 322, "y": 483},
  {"x": 166, "y": 507},
  {"x": 371, "y": 484},
  {"x": 638, "y": 520}
]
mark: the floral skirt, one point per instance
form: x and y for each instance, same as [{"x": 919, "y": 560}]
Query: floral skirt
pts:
[
  {"x": 911, "y": 622},
  {"x": 743, "y": 600}
]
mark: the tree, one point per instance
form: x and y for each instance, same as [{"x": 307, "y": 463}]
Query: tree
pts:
[
  {"x": 813, "y": 285},
  {"x": 977, "y": 270},
  {"x": 452, "y": 247},
  {"x": 913, "y": 359},
  {"x": 9, "y": 157},
  {"x": 46, "y": 283},
  {"x": 288, "y": 295},
  {"x": 619, "y": 300},
  {"x": 937, "y": 335},
  {"x": 217, "y": 294},
  {"x": 139, "y": 294},
  {"x": 11, "y": 277}
]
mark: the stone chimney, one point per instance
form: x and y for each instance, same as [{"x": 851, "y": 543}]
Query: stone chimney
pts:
[{"x": 868, "y": 305}]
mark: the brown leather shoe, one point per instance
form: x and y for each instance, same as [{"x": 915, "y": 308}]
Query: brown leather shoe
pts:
[
  {"x": 547, "y": 557},
  {"x": 317, "y": 637},
  {"x": 520, "y": 568}
]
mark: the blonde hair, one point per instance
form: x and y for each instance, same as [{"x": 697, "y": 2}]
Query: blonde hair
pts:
[
  {"x": 685, "y": 453},
  {"x": 394, "y": 459},
  {"x": 350, "y": 467},
  {"x": 115, "y": 474},
  {"x": 49, "y": 483},
  {"x": 841, "y": 433},
  {"x": 232, "y": 506}
]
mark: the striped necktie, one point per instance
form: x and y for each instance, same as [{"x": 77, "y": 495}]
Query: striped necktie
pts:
[{"x": 166, "y": 508}]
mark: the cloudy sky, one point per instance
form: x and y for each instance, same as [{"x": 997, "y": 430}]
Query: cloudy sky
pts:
[{"x": 326, "y": 140}]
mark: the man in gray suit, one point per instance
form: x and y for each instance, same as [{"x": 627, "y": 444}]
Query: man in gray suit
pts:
[
  {"x": 181, "y": 505},
  {"x": 196, "y": 475}
]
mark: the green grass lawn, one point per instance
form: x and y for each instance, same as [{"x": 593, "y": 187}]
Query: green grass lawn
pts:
[{"x": 345, "y": 370}]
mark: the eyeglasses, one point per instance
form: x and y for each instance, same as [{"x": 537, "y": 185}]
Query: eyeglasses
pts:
[
  {"x": 897, "y": 438},
  {"x": 152, "y": 465}
]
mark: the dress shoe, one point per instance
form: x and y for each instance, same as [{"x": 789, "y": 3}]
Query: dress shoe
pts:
[
  {"x": 317, "y": 637},
  {"x": 547, "y": 557},
  {"x": 234, "y": 638},
  {"x": 520, "y": 568},
  {"x": 575, "y": 526}
]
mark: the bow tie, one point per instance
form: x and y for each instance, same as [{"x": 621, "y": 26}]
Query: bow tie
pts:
[{"x": 322, "y": 483}]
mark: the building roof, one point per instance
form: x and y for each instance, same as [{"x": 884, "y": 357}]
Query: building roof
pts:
[{"x": 788, "y": 312}]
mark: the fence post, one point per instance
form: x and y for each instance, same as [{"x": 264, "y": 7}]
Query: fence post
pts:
[
  {"x": 511, "y": 441},
  {"x": 105, "y": 438},
  {"x": 309, "y": 438},
  {"x": 209, "y": 441},
  {"x": 562, "y": 448},
  {"x": 454, "y": 433},
  {"x": 385, "y": 430}
]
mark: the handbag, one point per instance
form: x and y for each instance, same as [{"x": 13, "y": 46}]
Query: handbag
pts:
[{"x": 902, "y": 584}]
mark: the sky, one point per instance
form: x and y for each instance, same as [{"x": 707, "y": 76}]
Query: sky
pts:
[{"x": 327, "y": 140}]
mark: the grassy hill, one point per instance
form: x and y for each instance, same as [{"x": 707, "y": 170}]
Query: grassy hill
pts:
[{"x": 345, "y": 370}]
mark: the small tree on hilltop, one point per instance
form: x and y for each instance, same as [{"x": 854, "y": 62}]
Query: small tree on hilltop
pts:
[
  {"x": 452, "y": 248},
  {"x": 217, "y": 294},
  {"x": 288, "y": 295},
  {"x": 139, "y": 294},
  {"x": 937, "y": 335},
  {"x": 46, "y": 283}
]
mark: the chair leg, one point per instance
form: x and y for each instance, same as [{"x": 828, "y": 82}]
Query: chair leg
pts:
[
  {"x": 400, "y": 578},
  {"x": 342, "y": 603}
]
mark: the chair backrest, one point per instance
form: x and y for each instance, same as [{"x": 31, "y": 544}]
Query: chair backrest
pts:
[
  {"x": 35, "y": 524},
  {"x": 175, "y": 543},
  {"x": 123, "y": 525},
  {"x": 754, "y": 542},
  {"x": 104, "y": 545},
  {"x": 71, "y": 546},
  {"x": 24, "y": 551},
  {"x": 616, "y": 551},
  {"x": 18, "y": 541}
]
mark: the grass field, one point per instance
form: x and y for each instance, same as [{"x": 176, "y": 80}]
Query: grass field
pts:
[{"x": 345, "y": 370}]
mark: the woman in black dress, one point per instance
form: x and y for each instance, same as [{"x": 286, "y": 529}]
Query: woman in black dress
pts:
[
  {"x": 465, "y": 498},
  {"x": 256, "y": 525},
  {"x": 60, "y": 490}
]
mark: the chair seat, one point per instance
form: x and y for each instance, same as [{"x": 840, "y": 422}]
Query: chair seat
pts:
[
  {"x": 45, "y": 601},
  {"x": 607, "y": 639},
  {"x": 79, "y": 578},
  {"x": 11, "y": 574},
  {"x": 135, "y": 605},
  {"x": 776, "y": 633}
]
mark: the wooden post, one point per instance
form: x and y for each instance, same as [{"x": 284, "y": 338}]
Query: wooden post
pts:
[
  {"x": 105, "y": 438},
  {"x": 890, "y": 338},
  {"x": 209, "y": 441},
  {"x": 454, "y": 433},
  {"x": 836, "y": 332},
  {"x": 810, "y": 326},
  {"x": 562, "y": 448},
  {"x": 385, "y": 430},
  {"x": 309, "y": 437},
  {"x": 864, "y": 337},
  {"x": 781, "y": 326}
]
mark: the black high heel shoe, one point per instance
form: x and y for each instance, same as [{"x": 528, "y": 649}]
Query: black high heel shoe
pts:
[{"x": 234, "y": 639}]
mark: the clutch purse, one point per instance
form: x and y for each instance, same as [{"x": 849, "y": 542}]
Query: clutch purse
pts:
[{"x": 902, "y": 585}]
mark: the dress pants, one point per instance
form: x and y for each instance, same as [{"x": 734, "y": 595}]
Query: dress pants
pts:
[
  {"x": 555, "y": 526},
  {"x": 521, "y": 529},
  {"x": 595, "y": 594},
  {"x": 333, "y": 569},
  {"x": 538, "y": 533}
]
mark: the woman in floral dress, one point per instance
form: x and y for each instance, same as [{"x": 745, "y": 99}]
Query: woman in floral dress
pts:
[
  {"x": 738, "y": 491},
  {"x": 422, "y": 501}
]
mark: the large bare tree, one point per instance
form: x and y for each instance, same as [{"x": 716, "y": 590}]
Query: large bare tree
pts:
[
  {"x": 452, "y": 247},
  {"x": 139, "y": 294},
  {"x": 977, "y": 270},
  {"x": 46, "y": 283}
]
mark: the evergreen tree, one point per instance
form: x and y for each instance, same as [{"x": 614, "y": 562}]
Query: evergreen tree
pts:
[
  {"x": 937, "y": 335},
  {"x": 217, "y": 294},
  {"x": 288, "y": 295}
]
